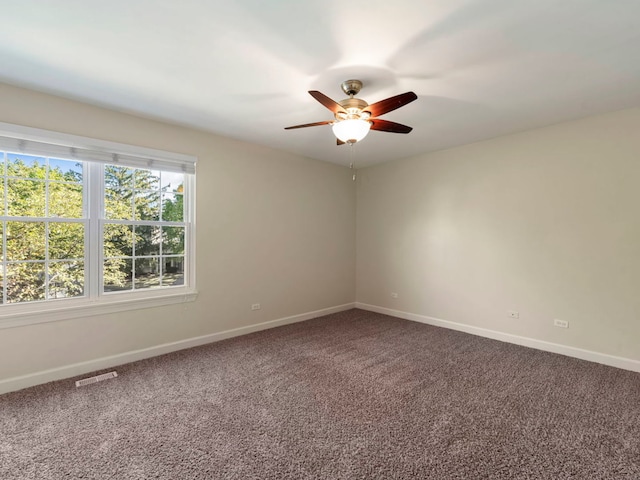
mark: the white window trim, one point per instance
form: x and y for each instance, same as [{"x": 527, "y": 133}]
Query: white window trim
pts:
[
  {"x": 16, "y": 315},
  {"x": 99, "y": 150}
]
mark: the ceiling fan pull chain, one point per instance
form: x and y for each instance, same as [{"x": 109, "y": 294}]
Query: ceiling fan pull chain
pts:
[{"x": 351, "y": 144}]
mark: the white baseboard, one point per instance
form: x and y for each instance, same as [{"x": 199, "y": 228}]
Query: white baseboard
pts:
[
  {"x": 67, "y": 371},
  {"x": 603, "y": 358}
]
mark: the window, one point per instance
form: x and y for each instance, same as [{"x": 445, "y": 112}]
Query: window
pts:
[
  {"x": 91, "y": 223},
  {"x": 144, "y": 229},
  {"x": 43, "y": 225}
]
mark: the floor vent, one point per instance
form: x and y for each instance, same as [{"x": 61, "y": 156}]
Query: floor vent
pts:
[{"x": 96, "y": 379}]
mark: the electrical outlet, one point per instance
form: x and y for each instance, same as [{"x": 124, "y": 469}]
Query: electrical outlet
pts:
[
  {"x": 560, "y": 323},
  {"x": 513, "y": 314},
  {"x": 394, "y": 295},
  {"x": 255, "y": 306}
]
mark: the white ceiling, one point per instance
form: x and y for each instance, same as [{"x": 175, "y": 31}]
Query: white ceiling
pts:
[{"x": 242, "y": 68}]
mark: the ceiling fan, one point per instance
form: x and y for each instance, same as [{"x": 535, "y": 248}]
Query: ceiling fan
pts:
[{"x": 355, "y": 117}]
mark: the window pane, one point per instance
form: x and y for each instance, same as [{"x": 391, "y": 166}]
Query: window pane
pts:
[
  {"x": 118, "y": 178},
  {"x": 26, "y": 166},
  {"x": 118, "y": 204},
  {"x": 147, "y": 180},
  {"x": 117, "y": 274},
  {"x": 2, "y": 202},
  {"x": 172, "y": 240},
  {"x": 66, "y": 279},
  {"x": 25, "y": 282},
  {"x": 65, "y": 170},
  {"x": 147, "y": 273},
  {"x": 119, "y": 184},
  {"x": 25, "y": 240},
  {"x": 147, "y": 205},
  {"x": 25, "y": 198},
  {"x": 172, "y": 182},
  {"x": 147, "y": 240},
  {"x": 65, "y": 200},
  {"x": 172, "y": 207},
  {"x": 66, "y": 240},
  {"x": 118, "y": 240},
  {"x": 173, "y": 271}
]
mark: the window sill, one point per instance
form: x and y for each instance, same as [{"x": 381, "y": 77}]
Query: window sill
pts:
[{"x": 77, "y": 308}]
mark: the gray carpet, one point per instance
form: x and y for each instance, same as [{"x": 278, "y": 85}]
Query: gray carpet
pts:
[{"x": 354, "y": 395}]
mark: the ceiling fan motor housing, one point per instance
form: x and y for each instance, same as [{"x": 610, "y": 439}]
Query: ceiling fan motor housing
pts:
[{"x": 353, "y": 108}]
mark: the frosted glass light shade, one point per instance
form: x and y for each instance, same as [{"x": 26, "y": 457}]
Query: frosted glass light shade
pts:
[{"x": 351, "y": 131}]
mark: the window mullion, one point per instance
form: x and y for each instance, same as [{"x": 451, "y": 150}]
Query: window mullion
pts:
[
  {"x": 4, "y": 229},
  {"x": 189, "y": 253},
  {"x": 94, "y": 190},
  {"x": 46, "y": 230}
]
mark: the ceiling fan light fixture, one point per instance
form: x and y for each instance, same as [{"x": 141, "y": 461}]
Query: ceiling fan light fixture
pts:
[{"x": 351, "y": 131}]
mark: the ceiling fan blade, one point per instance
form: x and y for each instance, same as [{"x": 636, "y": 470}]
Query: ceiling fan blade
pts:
[
  {"x": 339, "y": 142},
  {"x": 390, "y": 104},
  {"x": 332, "y": 105},
  {"x": 326, "y": 122},
  {"x": 387, "y": 126}
]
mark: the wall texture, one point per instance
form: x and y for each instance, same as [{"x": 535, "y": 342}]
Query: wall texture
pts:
[
  {"x": 272, "y": 228},
  {"x": 545, "y": 222}
]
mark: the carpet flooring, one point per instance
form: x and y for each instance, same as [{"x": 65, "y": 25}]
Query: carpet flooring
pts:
[{"x": 355, "y": 395}]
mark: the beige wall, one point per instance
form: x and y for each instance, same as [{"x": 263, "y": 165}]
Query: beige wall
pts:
[
  {"x": 545, "y": 222},
  {"x": 272, "y": 228}
]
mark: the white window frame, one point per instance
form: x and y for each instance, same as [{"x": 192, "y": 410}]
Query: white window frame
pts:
[{"x": 94, "y": 302}]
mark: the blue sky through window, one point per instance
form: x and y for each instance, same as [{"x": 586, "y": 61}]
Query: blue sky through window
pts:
[{"x": 66, "y": 166}]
